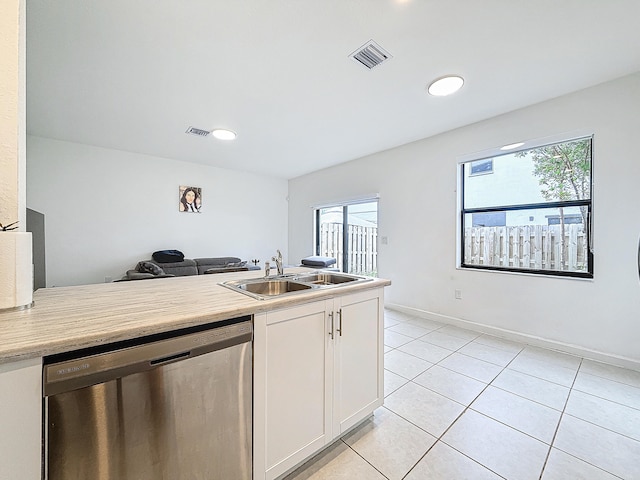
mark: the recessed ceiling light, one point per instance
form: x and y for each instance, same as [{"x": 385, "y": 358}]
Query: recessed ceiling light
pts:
[
  {"x": 223, "y": 134},
  {"x": 512, "y": 146},
  {"x": 441, "y": 87}
]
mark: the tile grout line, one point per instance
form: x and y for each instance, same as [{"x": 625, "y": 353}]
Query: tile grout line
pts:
[
  {"x": 568, "y": 414},
  {"x": 520, "y": 396},
  {"x": 410, "y": 380},
  {"x": 433, "y": 364},
  {"x": 539, "y": 378},
  {"x": 578, "y": 389},
  {"x": 480, "y": 335},
  {"x": 483, "y": 334},
  {"x": 368, "y": 462},
  {"x": 529, "y": 399},
  {"x": 468, "y": 342},
  {"x": 438, "y": 439},
  {"x": 420, "y": 358},
  {"x": 603, "y": 428},
  {"x": 563, "y": 412},
  {"x": 466, "y": 407},
  {"x": 589, "y": 463},
  {"x": 611, "y": 379},
  {"x": 555, "y": 434}
]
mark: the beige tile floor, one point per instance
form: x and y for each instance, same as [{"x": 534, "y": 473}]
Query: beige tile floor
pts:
[{"x": 463, "y": 405}]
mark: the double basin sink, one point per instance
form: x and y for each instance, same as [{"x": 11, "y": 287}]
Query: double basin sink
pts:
[{"x": 269, "y": 287}]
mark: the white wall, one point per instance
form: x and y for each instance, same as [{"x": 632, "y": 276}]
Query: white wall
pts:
[
  {"x": 417, "y": 187},
  {"x": 105, "y": 210},
  {"x": 12, "y": 113}
]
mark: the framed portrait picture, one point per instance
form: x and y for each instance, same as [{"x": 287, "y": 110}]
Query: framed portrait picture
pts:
[{"x": 190, "y": 199}]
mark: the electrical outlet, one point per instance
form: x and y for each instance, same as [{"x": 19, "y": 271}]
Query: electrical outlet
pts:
[
  {"x": 384, "y": 240},
  {"x": 108, "y": 279},
  {"x": 458, "y": 294}
]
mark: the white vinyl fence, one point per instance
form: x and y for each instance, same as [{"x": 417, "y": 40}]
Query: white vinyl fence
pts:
[
  {"x": 362, "y": 246},
  {"x": 538, "y": 247}
]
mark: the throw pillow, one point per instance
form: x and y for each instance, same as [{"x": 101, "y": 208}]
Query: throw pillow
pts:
[{"x": 148, "y": 267}]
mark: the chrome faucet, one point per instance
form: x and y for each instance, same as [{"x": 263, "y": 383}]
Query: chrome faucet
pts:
[{"x": 278, "y": 261}]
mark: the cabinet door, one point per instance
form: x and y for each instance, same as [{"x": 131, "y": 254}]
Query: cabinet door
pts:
[
  {"x": 21, "y": 420},
  {"x": 358, "y": 383},
  {"x": 298, "y": 351}
]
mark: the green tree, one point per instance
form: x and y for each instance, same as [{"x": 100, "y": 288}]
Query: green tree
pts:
[{"x": 564, "y": 173}]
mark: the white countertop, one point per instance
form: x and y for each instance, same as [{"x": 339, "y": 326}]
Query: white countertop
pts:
[{"x": 69, "y": 318}]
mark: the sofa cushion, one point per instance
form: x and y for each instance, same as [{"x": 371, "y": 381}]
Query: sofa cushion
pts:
[
  {"x": 180, "y": 269},
  {"x": 205, "y": 264},
  {"x": 134, "y": 275},
  {"x": 149, "y": 267},
  {"x": 225, "y": 270},
  {"x": 236, "y": 264},
  {"x": 216, "y": 261}
]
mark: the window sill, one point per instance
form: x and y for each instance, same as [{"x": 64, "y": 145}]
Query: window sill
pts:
[{"x": 537, "y": 273}]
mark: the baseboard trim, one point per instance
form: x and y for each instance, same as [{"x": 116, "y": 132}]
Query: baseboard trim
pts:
[{"x": 596, "y": 355}]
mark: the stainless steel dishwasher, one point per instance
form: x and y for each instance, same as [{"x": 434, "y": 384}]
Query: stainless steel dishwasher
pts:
[{"x": 174, "y": 406}]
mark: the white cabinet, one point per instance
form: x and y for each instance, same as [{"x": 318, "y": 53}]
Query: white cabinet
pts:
[
  {"x": 292, "y": 389},
  {"x": 317, "y": 372},
  {"x": 21, "y": 420},
  {"x": 358, "y": 370}
]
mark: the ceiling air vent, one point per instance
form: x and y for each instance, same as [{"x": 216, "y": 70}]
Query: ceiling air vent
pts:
[
  {"x": 197, "y": 131},
  {"x": 370, "y": 55}
]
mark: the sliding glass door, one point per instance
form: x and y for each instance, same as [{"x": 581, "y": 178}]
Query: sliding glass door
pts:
[{"x": 349, "y": 234}]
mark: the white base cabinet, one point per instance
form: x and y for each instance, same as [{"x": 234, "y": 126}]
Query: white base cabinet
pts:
[
  {"x": 21, "y": 420},
  {"x": 318, "y": 371},
  {"x": 358, "y": 359}
]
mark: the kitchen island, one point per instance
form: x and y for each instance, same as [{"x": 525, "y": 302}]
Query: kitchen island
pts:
[{"x": 303, "y": 324}]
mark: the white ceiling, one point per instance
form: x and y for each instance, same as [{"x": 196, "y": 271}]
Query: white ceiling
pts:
[{"x": 134, "y": 75}]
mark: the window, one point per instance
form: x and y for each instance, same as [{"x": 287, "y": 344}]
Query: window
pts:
[
  {"x": 349, "y": 233},
  {"x": 482, "y": 166},
  {"x": 532, "y": 214}
]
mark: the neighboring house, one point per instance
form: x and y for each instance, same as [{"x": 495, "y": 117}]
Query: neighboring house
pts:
[{"x": 490, "y": 181}]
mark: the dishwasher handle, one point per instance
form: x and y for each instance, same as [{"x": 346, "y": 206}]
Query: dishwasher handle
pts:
[
  {"x": 93, "y": 369},
  {"x": 170, "y": 359}
]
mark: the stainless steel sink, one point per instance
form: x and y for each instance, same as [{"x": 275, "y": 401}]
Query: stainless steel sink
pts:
[
  {"x": 263, "y": 288},
  {"x": 273, "y": 287},
  {"x": 327, "y": 278}
]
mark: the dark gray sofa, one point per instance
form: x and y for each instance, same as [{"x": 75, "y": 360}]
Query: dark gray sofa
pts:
[{"x": 197, "y": 266}]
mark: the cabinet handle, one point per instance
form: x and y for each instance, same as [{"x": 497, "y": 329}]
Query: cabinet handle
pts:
[
  {"x": 331, "y": 317},
  {"x": 340, "y": 315}
]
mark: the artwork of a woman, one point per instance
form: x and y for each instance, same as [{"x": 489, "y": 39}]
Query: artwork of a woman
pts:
[{"x": 190, "y": 199}]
